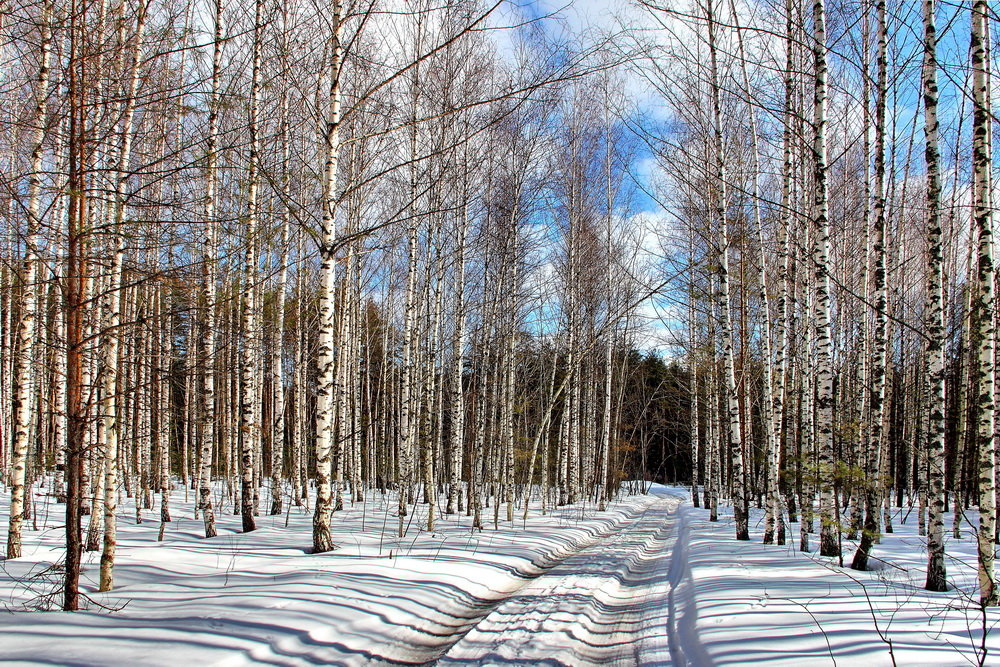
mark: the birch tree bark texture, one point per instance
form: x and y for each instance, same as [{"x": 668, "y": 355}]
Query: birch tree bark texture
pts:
[
  {"x": 984, "y": 304},
  {"x": 326, "y": 354}
]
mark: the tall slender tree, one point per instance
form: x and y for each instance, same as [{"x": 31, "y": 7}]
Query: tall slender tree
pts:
[{"x": 984, "y": 304}]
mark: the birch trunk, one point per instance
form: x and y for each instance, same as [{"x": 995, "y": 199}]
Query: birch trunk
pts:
[
  {"x": 784, "y": 259},
  {"x": 165, "y": 354},
  {"x": 714, "y": 430},
  {"x": 985, "y": 407},
  {"x": 277, "y": 351},
  {"x": 726, "y": 324},
  {"x": 693, "y": 424},
  {"x": 249, "y": 383},
  {"x": 322, "y": 539},
  {"x": 936, "y": 573},
  {"x": 962, "y": 430},
  {"x": 879, "y": 347},
  {"x": 209, "y": 256},
  {"x": 110, "y": 415},
  {"x": 829, "y": 530},
  {"x": 24, "y": 343},
  {"x": 457, "y": 442}
]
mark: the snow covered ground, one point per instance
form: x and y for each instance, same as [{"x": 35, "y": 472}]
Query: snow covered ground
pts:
[
  {"x": 773, "y": 604},
  {"x": 650, "y": 581},
  {"x": 261, "y": 597}
]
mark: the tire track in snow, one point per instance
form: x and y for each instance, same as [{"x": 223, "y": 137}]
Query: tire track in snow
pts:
[{"x": 607, "y": 602}]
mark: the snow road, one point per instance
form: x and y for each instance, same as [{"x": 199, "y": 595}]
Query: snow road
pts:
[{"x": 606, "y": 603}]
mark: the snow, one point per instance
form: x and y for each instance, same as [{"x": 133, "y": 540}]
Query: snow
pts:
[
  {"x": 759, "y": 603},
  {"x": 604, "y": 603},
  {"x": 649, "y": 581},
  {"x": 260, "y": 597}
]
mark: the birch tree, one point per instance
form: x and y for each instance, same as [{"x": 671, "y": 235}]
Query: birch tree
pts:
[
  {"x": 325, "y": 360},
  {"x": 936, "y": 572},
  {"x": 984, "y": 305},
  {"x": 829, "y": 539},
  {"x": 25, "y": 342}
]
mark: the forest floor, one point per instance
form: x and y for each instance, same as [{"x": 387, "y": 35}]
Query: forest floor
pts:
[
  {"x": 774, "y": 604},
  {"x": 649, "y": 581}
]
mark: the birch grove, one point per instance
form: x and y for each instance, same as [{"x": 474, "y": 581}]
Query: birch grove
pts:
[
  {"x": 847, "y": 269},
  {"x": 286, "y": 256},
  {"x": 236, "y": 268}
]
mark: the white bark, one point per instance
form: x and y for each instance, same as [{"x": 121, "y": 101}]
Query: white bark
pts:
[
  {"x": 829, "y": 529},
  {"x": 24, "y": 348},
  {"x": 985, "y": 406},
  {"x": 249, "y": 380},
  {"x": 936, "y": 571},
  {"x": 726, "y": 323},
  {"x": 209, "y": 257},
  {"x": 325, "y": 360}
]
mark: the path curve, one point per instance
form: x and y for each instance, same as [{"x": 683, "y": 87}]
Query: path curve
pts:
[{"x": 607, "y": 603}]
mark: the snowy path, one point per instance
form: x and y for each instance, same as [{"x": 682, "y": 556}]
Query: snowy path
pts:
[
  {"x": 606, "y": 603},
  {"x": 573, "y": 587}
]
